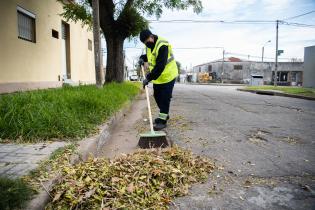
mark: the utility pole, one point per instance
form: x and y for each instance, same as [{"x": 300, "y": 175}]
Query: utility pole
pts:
[
  {"x": 263, "y": 51},
  {"x": 262, "y": 54},
  {"x": 97, "y": 44},
  {"x": 276, "y": 64},
  {"x": 222, "y": 67}
]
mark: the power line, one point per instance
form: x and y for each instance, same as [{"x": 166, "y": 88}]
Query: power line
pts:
[
  {"x": 297, "y": 24},
  {"x": 226, "y": 21},
  {"x": 290, "y": 18},
  {"x": 214, "y": 21},
  {"x": 255, "y": 22}
]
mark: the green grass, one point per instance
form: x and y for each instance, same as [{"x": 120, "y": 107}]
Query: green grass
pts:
[
  {"x": 291, "y": 90},
  {"x": 13, "y": 193},
  {"x": 65, "y": 113}
]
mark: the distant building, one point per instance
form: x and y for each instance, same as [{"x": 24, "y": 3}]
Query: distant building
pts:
[
  {"x": 309, "y": 67},
  {"x": 40, "y": 49},
  {"x": 236, "y": 70}
]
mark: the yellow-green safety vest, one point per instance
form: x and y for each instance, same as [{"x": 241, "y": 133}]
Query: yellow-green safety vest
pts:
[{"x": 171, "y": 71}]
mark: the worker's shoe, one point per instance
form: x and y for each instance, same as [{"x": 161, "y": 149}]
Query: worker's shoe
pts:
[
  {"x": 158, "y": 127},
  {"x": 157, "y": 120},
  {"x": 161, "y": 124}
]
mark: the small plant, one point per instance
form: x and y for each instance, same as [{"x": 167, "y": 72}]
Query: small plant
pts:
[{"x": 14, "y": 193}]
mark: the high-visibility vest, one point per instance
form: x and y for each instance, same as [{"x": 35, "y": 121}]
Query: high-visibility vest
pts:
[{"x": 171, "y": 71}]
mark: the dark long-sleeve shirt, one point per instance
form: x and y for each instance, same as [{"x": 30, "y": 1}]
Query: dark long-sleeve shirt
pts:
[{"x": 161, "y": 62}]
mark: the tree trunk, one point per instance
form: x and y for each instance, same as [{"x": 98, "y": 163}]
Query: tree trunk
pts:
[
  {"x": 97, "y": 45},
  {"x": 115, "y": 59}
]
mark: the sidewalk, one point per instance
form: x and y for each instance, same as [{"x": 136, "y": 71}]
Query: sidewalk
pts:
[{"x": 17, "y": 160}]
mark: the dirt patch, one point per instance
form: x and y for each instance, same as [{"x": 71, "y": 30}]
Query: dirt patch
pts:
[
  {"x": 179, "y": 123},
  {"x": 124, "y": 138}
]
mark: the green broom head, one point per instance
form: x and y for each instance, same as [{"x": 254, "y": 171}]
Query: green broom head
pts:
[{"x": 153, "y": 140}]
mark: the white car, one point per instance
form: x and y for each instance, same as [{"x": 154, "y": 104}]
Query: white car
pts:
[{"x": 134, "y": 78}]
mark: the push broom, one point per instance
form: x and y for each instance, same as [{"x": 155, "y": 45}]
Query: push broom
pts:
[{"x": 151, "y": 139}]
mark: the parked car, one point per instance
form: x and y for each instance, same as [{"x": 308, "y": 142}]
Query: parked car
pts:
[{"x": 134, "y": 78}]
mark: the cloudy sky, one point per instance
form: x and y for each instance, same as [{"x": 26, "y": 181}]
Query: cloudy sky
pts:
[{"x": 243, "y": 39}]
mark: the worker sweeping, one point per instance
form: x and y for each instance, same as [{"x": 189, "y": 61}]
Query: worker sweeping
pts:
[{"x": 162, "y": 72}]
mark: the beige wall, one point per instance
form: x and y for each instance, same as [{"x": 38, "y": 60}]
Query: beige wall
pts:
[{"x": 26, "y": 62}]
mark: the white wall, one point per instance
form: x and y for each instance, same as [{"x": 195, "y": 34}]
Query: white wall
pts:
[{"x": 309, "y": 67}]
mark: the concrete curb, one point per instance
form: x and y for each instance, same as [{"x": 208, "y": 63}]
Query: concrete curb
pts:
[
  {"x": 214, "y": 84},
  {"x": 89, "y": 146},
  {"x": 275, "y": 93}
]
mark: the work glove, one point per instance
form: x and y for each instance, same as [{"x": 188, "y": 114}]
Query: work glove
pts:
[
  {"x": 142, "y": 59},
  {"x": 141, "y": 62},
  {"x": 145, "y": 82}
]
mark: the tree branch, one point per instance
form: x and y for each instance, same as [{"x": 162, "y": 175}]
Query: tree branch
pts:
[
  {"x": 127, "y": 7},
  {"x": 107, "y": 21}
]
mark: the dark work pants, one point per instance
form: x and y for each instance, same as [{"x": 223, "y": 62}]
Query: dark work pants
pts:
[{"x": 163, "y": 95}]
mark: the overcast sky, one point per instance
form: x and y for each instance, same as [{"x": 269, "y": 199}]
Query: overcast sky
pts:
[{"x": 235, "y": 38}]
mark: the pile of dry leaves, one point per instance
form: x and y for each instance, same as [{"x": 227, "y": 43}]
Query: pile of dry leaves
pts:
[{"x": 147, "y": 179}]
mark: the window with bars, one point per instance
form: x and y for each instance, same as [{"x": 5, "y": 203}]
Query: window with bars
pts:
[
  {"x": 55, "y": 34},
  {"x": 26, "y": 25},
  {"x": 210, "y": 68},
  {"x": 238, "y": 67},
  {"x": 64, "y": 31}
]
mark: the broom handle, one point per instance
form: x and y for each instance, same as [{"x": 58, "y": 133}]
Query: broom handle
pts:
[{"x": 148, "y": 101}]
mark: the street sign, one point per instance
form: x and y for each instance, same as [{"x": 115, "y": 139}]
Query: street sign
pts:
[{"x": 280, "y": 52}]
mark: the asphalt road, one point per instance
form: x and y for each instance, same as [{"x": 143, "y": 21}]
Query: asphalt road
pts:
[{"x": 263, "y": 145}]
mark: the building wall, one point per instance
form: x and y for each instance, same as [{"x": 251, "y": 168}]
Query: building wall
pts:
[
  {"x": 248, "y": 68},
  {"x": 309, "y": 65},
  {"x": 28, "y": 65}
]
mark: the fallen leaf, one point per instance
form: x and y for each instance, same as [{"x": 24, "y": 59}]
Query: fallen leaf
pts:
[
  {"x": 130, "y": 188},
  {"x": 146, "y": 179},
  {"x": 247, "y": 184},
  {"x": 89, "y": 193},
  {"x": 115, "y": 179},
  {"x": 57, "y": 196}
]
